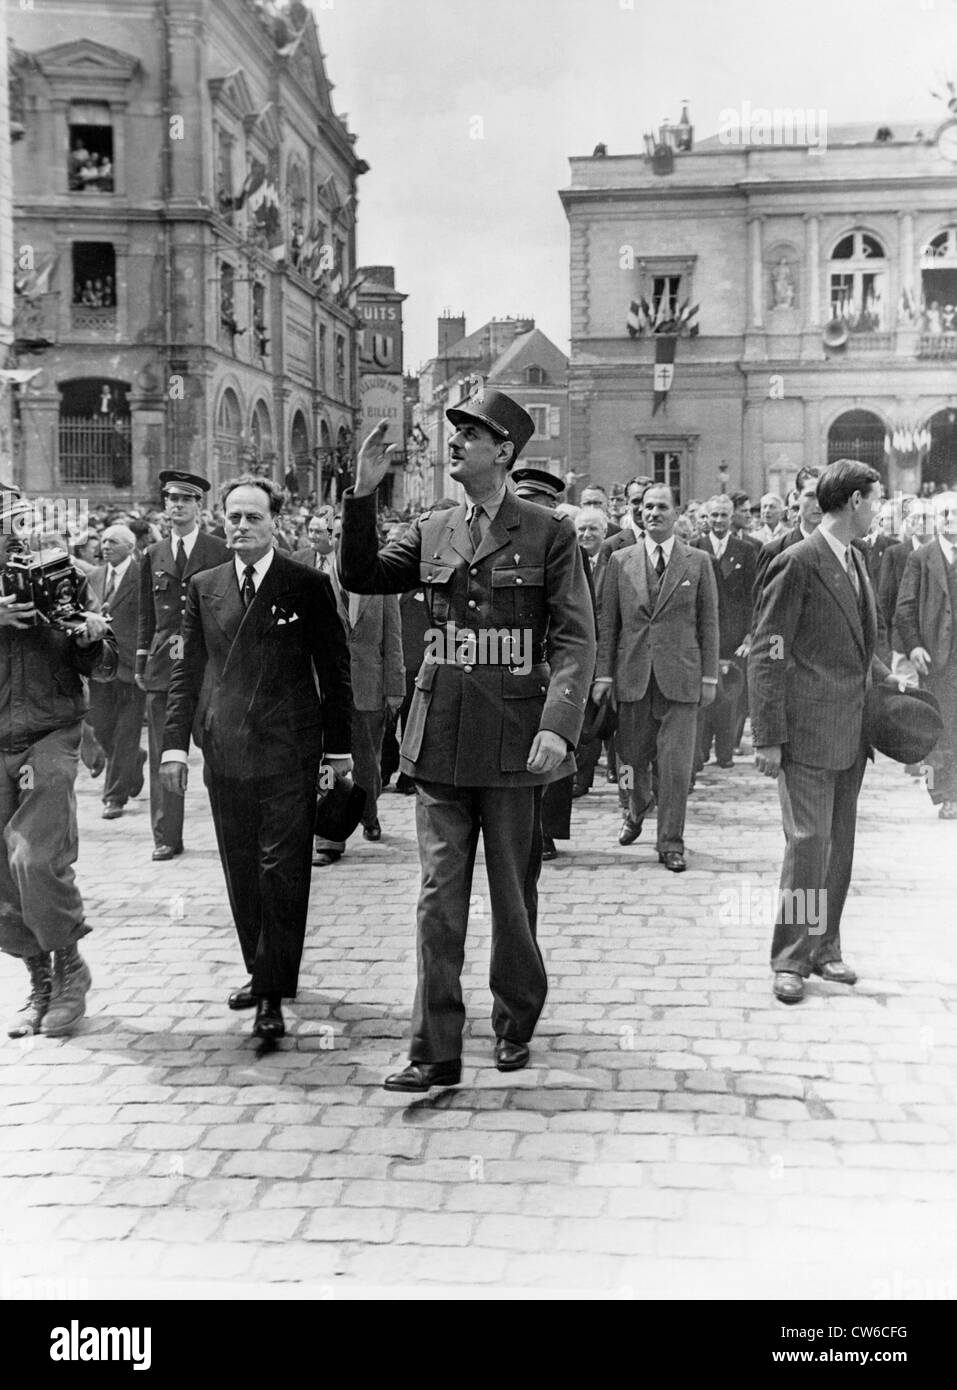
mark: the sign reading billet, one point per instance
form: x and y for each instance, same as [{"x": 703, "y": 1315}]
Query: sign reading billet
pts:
[{"x": 381, "y": 399}]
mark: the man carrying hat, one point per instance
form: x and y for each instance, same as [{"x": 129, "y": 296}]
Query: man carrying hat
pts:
[
  {"x": 165, "y": 572},
  {"x": 492, "y": 721}
]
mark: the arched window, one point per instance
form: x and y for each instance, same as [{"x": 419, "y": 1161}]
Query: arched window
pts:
[
  {"x": 228, "y": 432},
  {"x": 938, "y": 283},
  {"x": 858, "y": 434},
  {"x": 858, "y": 282}
]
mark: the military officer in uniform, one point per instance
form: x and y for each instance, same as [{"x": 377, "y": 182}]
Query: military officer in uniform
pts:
[
  {"x": 491, "y": 722},
  {"x": 165, "y": 572}
]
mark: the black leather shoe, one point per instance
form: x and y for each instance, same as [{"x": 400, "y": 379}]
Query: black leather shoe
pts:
[
  {"x": 510, "y": 1056},
  {"x": 243, "y": 998},
  {"x": 788, "y": 987},
  {"x": 629, "y": 832},
  {"x": 728, "y": 764},
  {"x": 112, "y": 810},
  {"x": 611, "y": 775},
  {"x": 167, "y": 851},
  {"x": 372, "y": 832},
  {"x": 672, "y": 859},
  {"x": 137, "y": 785},
  {"x": 419, "y": 1076},
  {"x": 404, "y": 785},
  {"x": 548, "y": 848},
  {"x": 324, "y": 857},
  {"x": 269, "y": 1023},
  {"x": 579, "y": 791},
  {"x": 836, "y": 971}
]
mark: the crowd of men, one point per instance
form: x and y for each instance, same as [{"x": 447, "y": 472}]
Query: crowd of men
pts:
[{"x": 287, "y": 640}]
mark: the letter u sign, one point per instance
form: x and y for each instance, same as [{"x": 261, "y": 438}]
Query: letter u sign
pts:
[{"x": 383, "y": 349}]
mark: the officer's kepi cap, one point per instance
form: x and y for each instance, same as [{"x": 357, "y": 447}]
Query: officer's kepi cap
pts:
[
  {"x": 535, "y": 481},
  {"x": 189, "y": 482},
  {"x": 496, "y": 412}
]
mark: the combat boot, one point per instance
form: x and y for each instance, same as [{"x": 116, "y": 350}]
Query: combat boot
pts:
[
  {"x": 71, "y": 981},
  {"x": 28, "y": 1020}
]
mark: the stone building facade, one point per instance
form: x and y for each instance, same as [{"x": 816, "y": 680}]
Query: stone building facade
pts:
[
  {"x": 825, "y": 277},
  {"x": 185, "y": 220}
]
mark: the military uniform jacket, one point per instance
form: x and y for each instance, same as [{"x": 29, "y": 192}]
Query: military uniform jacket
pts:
[
  {"x": 162, "y": 604},
  {"x": 472, "y": 724}
]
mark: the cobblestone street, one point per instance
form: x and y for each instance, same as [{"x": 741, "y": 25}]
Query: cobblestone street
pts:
[{"x": 679, "y": 1132}]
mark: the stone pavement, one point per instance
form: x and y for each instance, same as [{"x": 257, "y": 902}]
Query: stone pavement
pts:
[{"x": 680, "y": 1133}]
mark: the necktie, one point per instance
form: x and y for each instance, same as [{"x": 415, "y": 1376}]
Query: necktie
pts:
[
  {"x": 110, "y": 589},
  {"x": 852, "y": 574},
  {"x": 320, "y": 562},
  {"x": 475, "y": 528},
  {"x": 180, "y": 561},
  {"x": 249, "y": 587},
  {"x": 660, "y": 563}
]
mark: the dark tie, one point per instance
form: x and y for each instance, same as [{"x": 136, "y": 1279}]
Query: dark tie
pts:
[
  {"x": 249, "y": 587},
  {"x": 180, "y": 561},
  {"x": 660, "y": 563},
  {"x": 320, "y": 562},
  {"x": 475, "y": 528},
  {"x": 110, "y": 589},
  {"x": 853, "y": 575}
]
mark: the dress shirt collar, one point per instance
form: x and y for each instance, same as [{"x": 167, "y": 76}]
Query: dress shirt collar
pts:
[
  {"x": 838, "y": 547},
  {"x": 666, "y": 546},
  {"x": 719, "y": 546},
  {"x": 119, "y": 570},
  {"x": 259, "y": 569},
  {"x": 189, "y": 540},
  {"x": 490, "y": 505}
]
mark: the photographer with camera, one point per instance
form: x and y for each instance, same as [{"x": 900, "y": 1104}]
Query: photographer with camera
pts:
[{"x": 49, "y": 639}]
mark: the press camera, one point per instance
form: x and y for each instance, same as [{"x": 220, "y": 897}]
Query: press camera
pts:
[{"x": 47, "y": 579}]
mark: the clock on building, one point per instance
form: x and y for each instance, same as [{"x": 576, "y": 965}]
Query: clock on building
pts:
[{"x": 947, "y": 141}]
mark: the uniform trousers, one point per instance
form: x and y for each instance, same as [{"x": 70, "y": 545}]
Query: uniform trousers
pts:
[
  {"x": 40, "y": 904},
  {"x": 116, "y": 714},
  {"x": 264, "y": 833},
  {"x": 819, "y": 811},
  {"x": 166, "y": 808},
  {"x": 448, "y": 822}
]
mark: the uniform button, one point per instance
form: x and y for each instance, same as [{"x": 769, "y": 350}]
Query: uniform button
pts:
[
  {"x": 473, "y": 571},
  {"x": 466, "y": 668},
  {"x": 518, "y": 579},
  {"x": 472, "y": 603}
]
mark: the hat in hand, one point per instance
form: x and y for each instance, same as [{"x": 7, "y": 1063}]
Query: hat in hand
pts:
[
  {"x": 339, "y": 807},
  {"x": 902, "y": 724}
]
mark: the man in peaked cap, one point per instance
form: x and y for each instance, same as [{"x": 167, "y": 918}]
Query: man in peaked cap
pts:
[
  {"x": 492, "y": 722},
  {"x": 536, "y": 485},
  {"x": 167, "y": 567}
]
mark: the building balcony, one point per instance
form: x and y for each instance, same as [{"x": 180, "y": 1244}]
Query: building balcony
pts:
[
  {"x": 86, "y": 319},
  {"x": 871, "y": 342},
  {"x": 940, "y": 347}
]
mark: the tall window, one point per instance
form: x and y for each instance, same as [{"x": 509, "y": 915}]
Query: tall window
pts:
[
  {"x": 94, "y": 285},
  {"x": 94, "y": 432},
  {"x": 666, "y": 468},
  {"x": 323, "y": 348},
  {"x": 225, "y": 192},
  {"x": 90, "y": 161},
  {"x": 296, "y": 203},
  {"x": 858, "y": 282},
  {"x": 260, "y": 331},
  {"x": 539, "y": 414},
  {"x": 664, "y": 297},
  {"x": 938, "y": 279},
  {"x": 340, "y": 366}
]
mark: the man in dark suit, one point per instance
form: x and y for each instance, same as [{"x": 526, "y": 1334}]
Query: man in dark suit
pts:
[
  {"x": 876, "y": 545},
  {"x": 734, "y": 563},
  {"x": 809, "y": 519},
  {"x": 492, "y": 722},
  {"x": 372, "y": 625},
  {"x": 264, "y": 633},
  {"x": 812, "y": 659},
  {"x": 741, "y": 519},
  {"x": 318, "y": 553},
  {"x": 917, "y": 528},
  {"x": 631, "y": 529},
  {"x": 116, "y": 708},
  {"x": 165, "y": 572},
  {"x": 595, "y": 496},
  {"x": 926, "y": 620},
  {"x": 658, "y": 647}
]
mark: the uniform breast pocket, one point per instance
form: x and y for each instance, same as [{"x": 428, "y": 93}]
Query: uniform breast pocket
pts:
[
  {"x": 160, "y": 586},
  {"x": 518, "y": 595},
  {"x": 437, "y": 583}
]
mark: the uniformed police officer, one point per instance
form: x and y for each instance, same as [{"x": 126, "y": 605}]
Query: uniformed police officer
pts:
[
  {"x": 490, "y": 724},
  {"x": 167, "y": 568}
]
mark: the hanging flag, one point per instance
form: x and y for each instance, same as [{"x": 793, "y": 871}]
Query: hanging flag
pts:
[
  {"x": 31, "y": 284},
  {"x": 633, "y": 322},
  {"x": 665, "y": 344}
]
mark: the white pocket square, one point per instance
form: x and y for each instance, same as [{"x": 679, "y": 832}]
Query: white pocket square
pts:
[
  {"x": 293, "y": 618},
  {"x": 685, "y": 583}
]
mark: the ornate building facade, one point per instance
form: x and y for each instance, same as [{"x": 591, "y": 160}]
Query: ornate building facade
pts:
[
  {"x": 185, "y": 226},
  {"x": 825, "y": 281}
]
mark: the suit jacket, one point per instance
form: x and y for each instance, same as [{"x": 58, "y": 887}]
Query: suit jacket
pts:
[
  {"x": 375, "y": 647},
  {"x": 163, "y": 601},
  {"x": 474, "y": 725},
  {"x": 734, "y": 576},
  {"x": 673, "y": 636},
  {"x": 924, "y": 613},
  {"x": 812, "y": 656},
  {"x": 874, "y": 553},
  {"x": 263, "y": 711},
  {"x": 892, "y": 572},
  {"x": 124, "y": 614},
  {"x": 769, "y": 552},
  {"x": 609, "y": 547}
]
